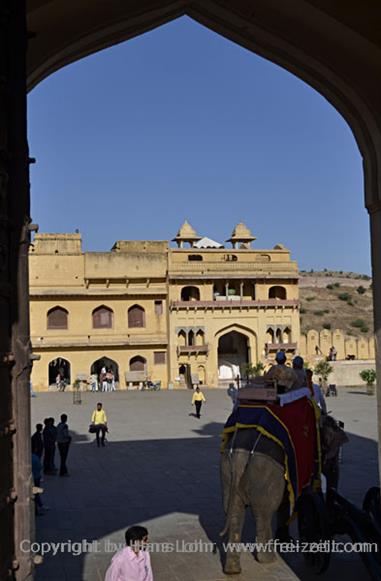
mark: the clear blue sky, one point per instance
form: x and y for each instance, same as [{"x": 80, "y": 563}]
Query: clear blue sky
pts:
[{"x": 182, "y": 123}]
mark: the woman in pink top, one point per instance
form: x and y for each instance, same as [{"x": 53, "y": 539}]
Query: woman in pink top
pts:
[{"x": 133, "y": 563}]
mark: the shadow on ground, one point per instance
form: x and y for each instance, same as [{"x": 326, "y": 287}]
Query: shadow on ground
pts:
[{"x": 173, "y": 486}]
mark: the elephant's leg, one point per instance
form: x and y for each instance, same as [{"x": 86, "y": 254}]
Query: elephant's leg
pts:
[
  {"x": 266, "y": 491},
  {"x": 283, "y": 514},
  {"x": 237, "y": 519}
]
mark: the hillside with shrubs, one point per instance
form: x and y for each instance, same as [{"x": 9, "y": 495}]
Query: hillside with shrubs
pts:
[{"x": 336, "y": 300}]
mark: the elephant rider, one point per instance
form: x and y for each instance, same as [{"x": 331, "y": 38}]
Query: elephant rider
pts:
[
  {"x": 298, "y": 367},
  {"x": 284, "y": 375}
]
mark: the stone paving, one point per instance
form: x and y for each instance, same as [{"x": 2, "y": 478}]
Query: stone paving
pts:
[{"x": 160, "y": 468}]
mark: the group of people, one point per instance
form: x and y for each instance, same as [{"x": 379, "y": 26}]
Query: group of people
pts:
[
  {"x": 295, "y": 378},
  {"x": 104, "y": 382},
  {"x": 332, "y": 355},
  {"x": 61, "y": 382},
  {"x": 45, "y": 440},
  {"x": 48, "y": 438}
]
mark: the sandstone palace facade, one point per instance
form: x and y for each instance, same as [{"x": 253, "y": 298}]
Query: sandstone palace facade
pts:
[{"x": 197, "y": 312}]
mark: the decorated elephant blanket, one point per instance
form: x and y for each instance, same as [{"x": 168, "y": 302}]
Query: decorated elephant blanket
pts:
[{"x": 295, "y": 427}]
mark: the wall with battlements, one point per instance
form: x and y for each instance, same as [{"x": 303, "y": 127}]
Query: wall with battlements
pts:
[{"x": 316, "y": 344}]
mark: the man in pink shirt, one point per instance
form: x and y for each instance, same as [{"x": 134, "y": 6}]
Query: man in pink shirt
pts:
[{"x": 133, "y": 563}]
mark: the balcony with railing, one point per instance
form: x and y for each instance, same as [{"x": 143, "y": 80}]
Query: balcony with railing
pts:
[
  {"x": 271, "y": 347},
  {"x": 192, "y": 349},
  {"x": 97, "y": 340}
]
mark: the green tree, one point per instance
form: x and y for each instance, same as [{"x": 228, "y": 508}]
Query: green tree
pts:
[
  {"x": 254, "y": 370},
  {"x": 323, "y": 369},
  {"x": 369, "y": 376}
]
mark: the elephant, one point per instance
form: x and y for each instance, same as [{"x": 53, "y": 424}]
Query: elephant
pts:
[{"x": 252, "y": 474}]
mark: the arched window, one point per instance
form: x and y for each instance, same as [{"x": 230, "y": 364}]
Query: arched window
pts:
[
  {"x": 102, "y": 318},
  {"x": 270, "y": 335},
  {"x": 181, "y": 338},
  {"x": 57, "y": 318},
  {"x": 138, "y": 363},
  {"x": 277, "y": 292},
  {"x": 136, "y": 316},
  {"x": 194, "y": 257},
  {"x": 287, "y": 335},
  {"x": 191, "y": 338},
  {"x": 190, "y": 293},
  {"x": 278, "y": 336},
  {"x": 200, "y": 337}
]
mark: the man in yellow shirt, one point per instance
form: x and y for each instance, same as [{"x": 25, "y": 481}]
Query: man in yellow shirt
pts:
[
  {"x": 197, "y": 399},
  {"x": 99, "y": 420}
]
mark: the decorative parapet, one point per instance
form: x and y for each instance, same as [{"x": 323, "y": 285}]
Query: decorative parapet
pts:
[
  {"x": 234, "y": 304},
  {"x": 40, "y": 343}
]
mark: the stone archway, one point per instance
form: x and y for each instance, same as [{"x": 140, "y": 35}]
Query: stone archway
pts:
[
  {"x": 108, "y": 364},
  {"x": 334, "y": 47},
  {"x": 233, "y": 355}
]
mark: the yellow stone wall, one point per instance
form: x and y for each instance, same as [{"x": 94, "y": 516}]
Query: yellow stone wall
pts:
[{"x": 140, "y": 273}]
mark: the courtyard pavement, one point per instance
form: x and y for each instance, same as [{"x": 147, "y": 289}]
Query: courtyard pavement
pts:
[{"x": 160, "y": 468}]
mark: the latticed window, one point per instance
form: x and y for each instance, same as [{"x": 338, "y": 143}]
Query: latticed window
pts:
[
  {"x": 158, "y": 307},
  {"x": 159, "y": 357},
  {"x": 137, "y": 363},
  {"x": 57, "y": 318},
  {"x": 102, "y": 318},
  {"x": 136, "y": 316}
]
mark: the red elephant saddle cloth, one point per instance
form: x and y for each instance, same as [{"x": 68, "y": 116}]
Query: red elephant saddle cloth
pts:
[{"x": 295, "y": 427}]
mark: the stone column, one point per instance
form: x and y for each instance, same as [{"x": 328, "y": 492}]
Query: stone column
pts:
[
  {"x": 226, "y": 290},
  {"x": 241, "y": 290},
  {"x": 375, "y": 238}
]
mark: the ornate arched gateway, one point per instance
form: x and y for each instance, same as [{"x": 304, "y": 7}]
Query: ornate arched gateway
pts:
[{"x": 333, "y": 46}]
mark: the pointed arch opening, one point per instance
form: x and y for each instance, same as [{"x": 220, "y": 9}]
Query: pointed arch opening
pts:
[
  {"x": 59, "y": 370},
  {"x": 136, "y": 317},
  {"x": 57, "y": 318},
  {"x": 102, "y": 317}
]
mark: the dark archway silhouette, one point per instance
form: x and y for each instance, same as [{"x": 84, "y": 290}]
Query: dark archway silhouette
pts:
[
  {"x": 59, "y": 366},
  {"x": 108, "y": 363},
  {"x": 277, "y": 292},
  {"x": 190, "y": 293},
  {"x": 233, "y": 355}
]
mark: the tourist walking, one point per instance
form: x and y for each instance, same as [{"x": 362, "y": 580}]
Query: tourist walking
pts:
[
  {"x": 109, "y": 380},
  {"x": 99, "y": 424},
  {"x": 38, "y": 441},
  {"x": 197, "y": 400},
  {"x": 132, "y": 563},
  {"x": 102, "y": 379},
  {"x": 93, "y": 382},
  {"x": 63, "y": 443},
  {"x": 50, "y": 436}
]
